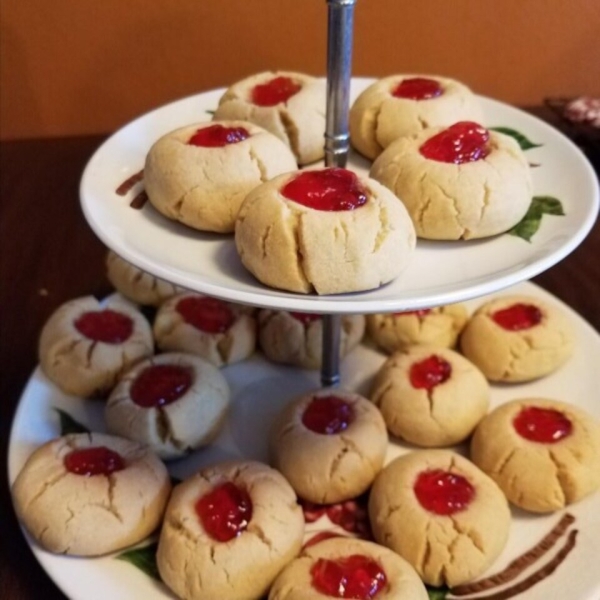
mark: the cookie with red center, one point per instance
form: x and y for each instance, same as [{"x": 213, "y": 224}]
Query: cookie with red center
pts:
[
  {"x": 85, "y": 345},
  {"x": 91, "y": 494},
  {"x": 405, "y": 105},
  {"x": 348, "y": 568},
  {"x": 517, "y": 338},
  {"x": 326, "y": 231},
  {"x": 289, "y": 105},
  {"x": 459, "y": 182},
  {"x": 438, "y": 326},
  {"x": 199, "y": 174},
  {"x": 430, "y": 396},
  {"x": 173, "y": 402},
  {"x": 329, "y": 445},
  {"x": 220, "y": 332},
  {"x": 544, "y": 454},
  {"x": 436, "y": 509},
  {"x": 228, "y": 531},
  {"x": 295, "y": 338},
  {"x": 137, "y": 285}
]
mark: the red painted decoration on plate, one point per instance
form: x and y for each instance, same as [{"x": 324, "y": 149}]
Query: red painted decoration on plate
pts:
[
  {"x": 217, "y": 136},
  {"x": 418, "y": 88},
  {"x": 518, "y": 317},
  {"x": 277, "y": 90},
  {"x": 108, "y": 326},
  {"x": 442, "y": 492},
  {"x": 160, "y": 385},
  {"x": 96, "y": 460},
  {"x": 328, "y": 415},
  {"x": 460, "y": 143},
  {"x": 543, "y": 425},
  {"x": 225, "y": 511},
  {"x": 305, "y": 318},
  {"x": 356, "y": 576},
  {"x": 428, "y": 373},
  {"x": 330, "y": 190},
  {"x": 206, "y": 314}
]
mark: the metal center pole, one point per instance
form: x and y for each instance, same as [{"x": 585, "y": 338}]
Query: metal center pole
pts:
[{"x": 340, "y": 25}]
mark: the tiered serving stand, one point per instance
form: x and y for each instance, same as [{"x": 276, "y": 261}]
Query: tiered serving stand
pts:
[{"x": 440, "y": 273}]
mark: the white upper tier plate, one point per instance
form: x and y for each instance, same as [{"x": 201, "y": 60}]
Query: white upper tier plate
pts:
[{"x": 439, "y": 272}]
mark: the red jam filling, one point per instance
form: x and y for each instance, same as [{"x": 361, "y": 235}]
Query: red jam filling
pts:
[
  {"x": 418, "y": 88},
  {"x": 159, "y": 385},
  {"x": 356, "y": 576},
  {"x": 328, "y": 415},
  {"x": 305, "y": 318},
  {"x": 428, "y": 373},
  {"x": 460, "y": 143},
  {"x": 442, "y": 492},
  {"x": 331, "y": 189},
  {"x": 543, "y": 425},
  {"x": 275, "y": 91},
  {"x": 97, "y": 460},
  {"x": 518, "y": 317},
  {"x": 225, "y": 511},
  {"x": 106, "y": 326},
  {"x": 419, "y": 313},
  {"x": 217, "y": 136},
  {"x": 206, "y": 314}
]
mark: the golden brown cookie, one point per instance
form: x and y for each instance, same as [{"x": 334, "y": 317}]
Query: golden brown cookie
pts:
[
  {"x": 228, "y": 532},
  {"x": 329, "y": 445},
  {"x": 85, "y": 345},
  {"x": 544, "y": 454},
  {"x": 91, "y": 494},
  {"x": 137, "y": 285},
  {"x": 289, "y": 105},
  {"x": 220, "y": 332},
  {"x": 405, "y": 105},
  {"x": 439, "y": 326},
  {"x": 356, "y": 566},
  {"x": 517, "y": 338},
  {"x": 430, "y": 396},
  {"x": 200, "y": 174},
  {"x": 436, "y": 509},
  {"x": 295, "y": 338},
  {"x": 324, "y": 231},
  {"x": 172, "y": 402},
  {"x": 486, "y": 194}
]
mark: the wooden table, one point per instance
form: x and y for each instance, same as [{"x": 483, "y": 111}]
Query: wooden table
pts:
[{"x": 50, "y": 255}]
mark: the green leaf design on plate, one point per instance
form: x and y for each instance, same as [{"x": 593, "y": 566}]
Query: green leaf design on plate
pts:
[
  {"x": 524, "y": 142},
  {"x": 530, "y": 223},
  {"x": 437, "y": 593},
  {"x": 68, "y": 424},
  {"x": 210, "y": 112},
  {"x": 143, "y": 558}
]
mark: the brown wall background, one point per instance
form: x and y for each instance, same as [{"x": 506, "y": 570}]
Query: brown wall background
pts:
[{"x": 88, "y": 66}]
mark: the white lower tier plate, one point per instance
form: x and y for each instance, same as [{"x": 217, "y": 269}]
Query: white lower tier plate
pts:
[
  {"x": 439, "y": 272},
  {"x": 259, "y": 390}
]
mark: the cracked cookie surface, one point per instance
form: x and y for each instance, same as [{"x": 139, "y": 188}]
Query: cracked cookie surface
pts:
[
  {"x": 203, "y": 187},
  {"x": 535, "y": 476},
  {"x": 444, "y": 549},
  {"x": 83, "y": 366},
  {"x": 91, "y": 515},
  {"x": 443, "y": 415},
  {"x": 171, "y": 429},
  {"x": 294, "y": 582},
  {"x": 377, "y": 118},
  {"x": 299, "y": 122},
  {"x": 289, "y": 246},
  {"x": 196, "y": 566},
  {"x": 329, "y": 468},
  {"x": 517, "y": 355},
  {"x": 448, "y": 201}
]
